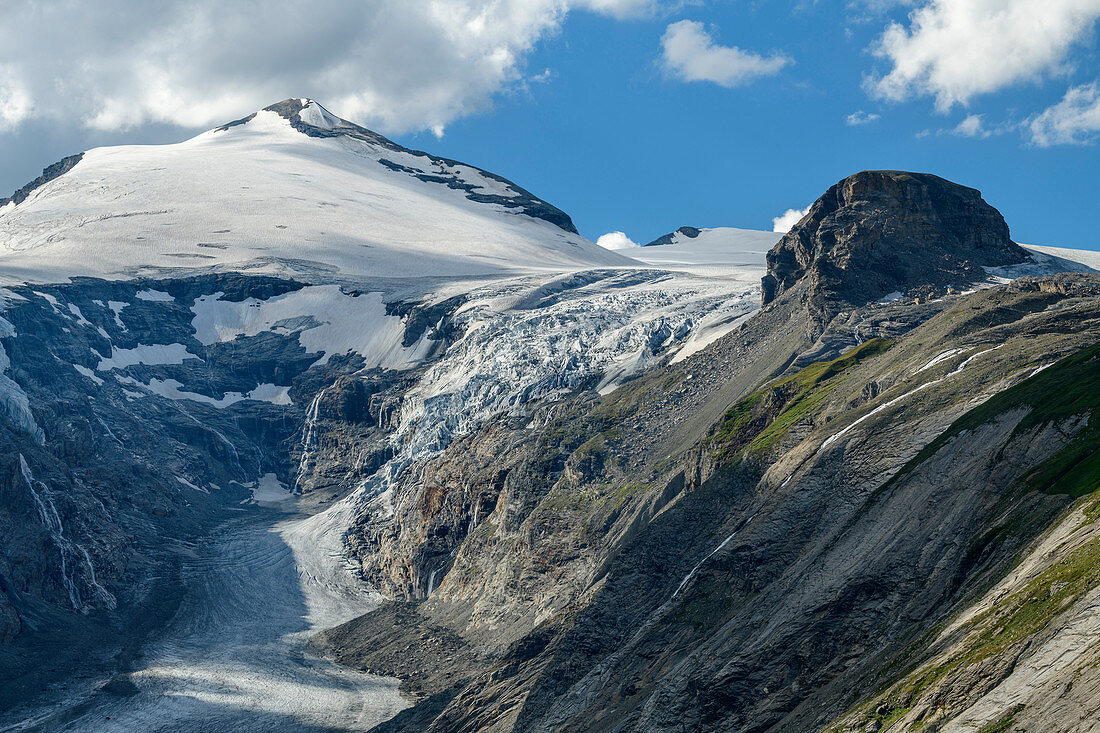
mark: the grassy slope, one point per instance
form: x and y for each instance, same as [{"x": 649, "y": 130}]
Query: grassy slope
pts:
[
  {"x": 758, "y": 421},
  {"x": 1068, "y": 389}
]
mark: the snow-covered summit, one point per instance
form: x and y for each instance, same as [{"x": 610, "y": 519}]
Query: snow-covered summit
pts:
[
  {"x": 291, "y": 190},
  {"x": 721, "y": 249}
]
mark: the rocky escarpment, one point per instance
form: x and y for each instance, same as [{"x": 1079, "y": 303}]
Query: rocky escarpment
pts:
[
  {"x": 881, "y": 232},
  {"x": 130, "y": 427},
  {"x": 575, "y": 531},
  {"x": 770, "y": 590},
  {"x": 686, "y": 231}
]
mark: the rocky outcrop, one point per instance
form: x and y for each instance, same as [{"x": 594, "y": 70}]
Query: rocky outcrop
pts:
[
  {"x": 763, "y": 576},
  {"x": 689, "y": 232},
  {"x": 101, "y": 475},
  {"x": 49, "y": 173},
  {"x": 880, "y": 232},
  {"x": 762, "y": 536}
]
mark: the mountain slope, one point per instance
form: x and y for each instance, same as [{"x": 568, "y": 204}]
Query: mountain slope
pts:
[
  {"x": 289, "y": 190},
  {"x": 189, "y": 440},
  {"x": 744, "y": 540},
  {"x": 718, "y": 250},
  {"x": 596, "y": 492}
]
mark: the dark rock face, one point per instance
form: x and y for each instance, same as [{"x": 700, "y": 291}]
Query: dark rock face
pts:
[
  {"x": 49, "y": 173},
  {"x": 689, "y": 232},
  {"x": 878, "y": 232}
]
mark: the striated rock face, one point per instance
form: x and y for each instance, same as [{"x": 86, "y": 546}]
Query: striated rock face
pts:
[
  {"x": 879, "y": 232},
  {"x": 757, "y": 538}
]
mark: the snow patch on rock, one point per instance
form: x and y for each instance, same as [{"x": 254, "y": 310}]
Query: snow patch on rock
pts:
[
  {"x": 151, "y": 354},
  {"x": 327, "y": 320},
  {"x": 171, "y": 389},
  {"x": 154, "y": 296}
]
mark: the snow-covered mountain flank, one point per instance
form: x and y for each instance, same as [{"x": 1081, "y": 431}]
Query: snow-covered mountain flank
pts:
[
  {"x": 290, "y": 190},
  {"x": 303, "y": 430}
]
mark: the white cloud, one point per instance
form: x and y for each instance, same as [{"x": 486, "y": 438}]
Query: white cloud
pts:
[
  {"x": 788, "y": 219},
  {"x": 621, "y": 8},
  {"x": 616, "y": 240},
  {"x": 395, "y": 65},
  {"x": 1074, "y": 120},
  {"x": 690, "y": 54},
  {"x": 15, "y": 102},
  {"x": 971, "y": 126},
  {"x": 860, "y": 118},
  {"x": 955, "y": 50}
]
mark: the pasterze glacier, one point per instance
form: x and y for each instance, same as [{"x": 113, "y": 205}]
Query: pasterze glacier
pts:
[{"x": 304, "y": 430}]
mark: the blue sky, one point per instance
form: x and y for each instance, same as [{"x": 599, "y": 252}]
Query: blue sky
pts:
[{"x": 631, "y": 115}]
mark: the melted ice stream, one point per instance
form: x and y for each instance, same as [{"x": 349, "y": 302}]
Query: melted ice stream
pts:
[{"x": 234, "y": 656}]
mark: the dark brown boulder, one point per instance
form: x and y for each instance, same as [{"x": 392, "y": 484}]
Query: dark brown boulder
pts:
[{"x": 879, "y": 232}]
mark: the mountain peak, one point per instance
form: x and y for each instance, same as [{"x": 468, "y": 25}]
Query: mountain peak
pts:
[
  {"x": 309, "y": 112},
  {"x": 311, "y": 119},
  {"x": 878, "y": 232}
]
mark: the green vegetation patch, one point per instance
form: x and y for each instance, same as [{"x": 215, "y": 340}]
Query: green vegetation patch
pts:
[
  {"x": 1007, "y": 625},
  {"x": 758, "y": 421},
  {"x": 1021, "y": 615},
  {"x": 1070, "y": 388},
  {"x": 1004, "y": 724}
]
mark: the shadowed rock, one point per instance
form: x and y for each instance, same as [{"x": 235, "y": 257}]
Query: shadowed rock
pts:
[
  {"x": 879, "y": 232},
  {"x": 689, "y": 232},
  {"x": 49, "y": 173}
]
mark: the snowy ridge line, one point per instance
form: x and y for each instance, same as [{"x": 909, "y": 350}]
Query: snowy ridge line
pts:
[{"x": 265, "y": 198}]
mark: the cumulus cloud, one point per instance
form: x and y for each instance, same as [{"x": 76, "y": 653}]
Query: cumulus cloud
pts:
[
  {"x": 1074, "y": 120},
  {"x": 860, "y": 118},
  {"x": 622, "y": 8},
  {"x": 616, "y": 240},
  {"x": 785, "y": 221},
  {"x": 971, "y": 126},
  {"x": 392, "y": 64},
  {"x": 955, "y": 50},
  {"x": 689, "y": 53},
  {"x": 15, "y": 102}
]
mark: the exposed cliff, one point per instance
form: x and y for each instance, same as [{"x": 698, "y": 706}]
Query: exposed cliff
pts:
[
  {"x": 868, "y": 504},
  {"x": 881, "y": 232}
]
